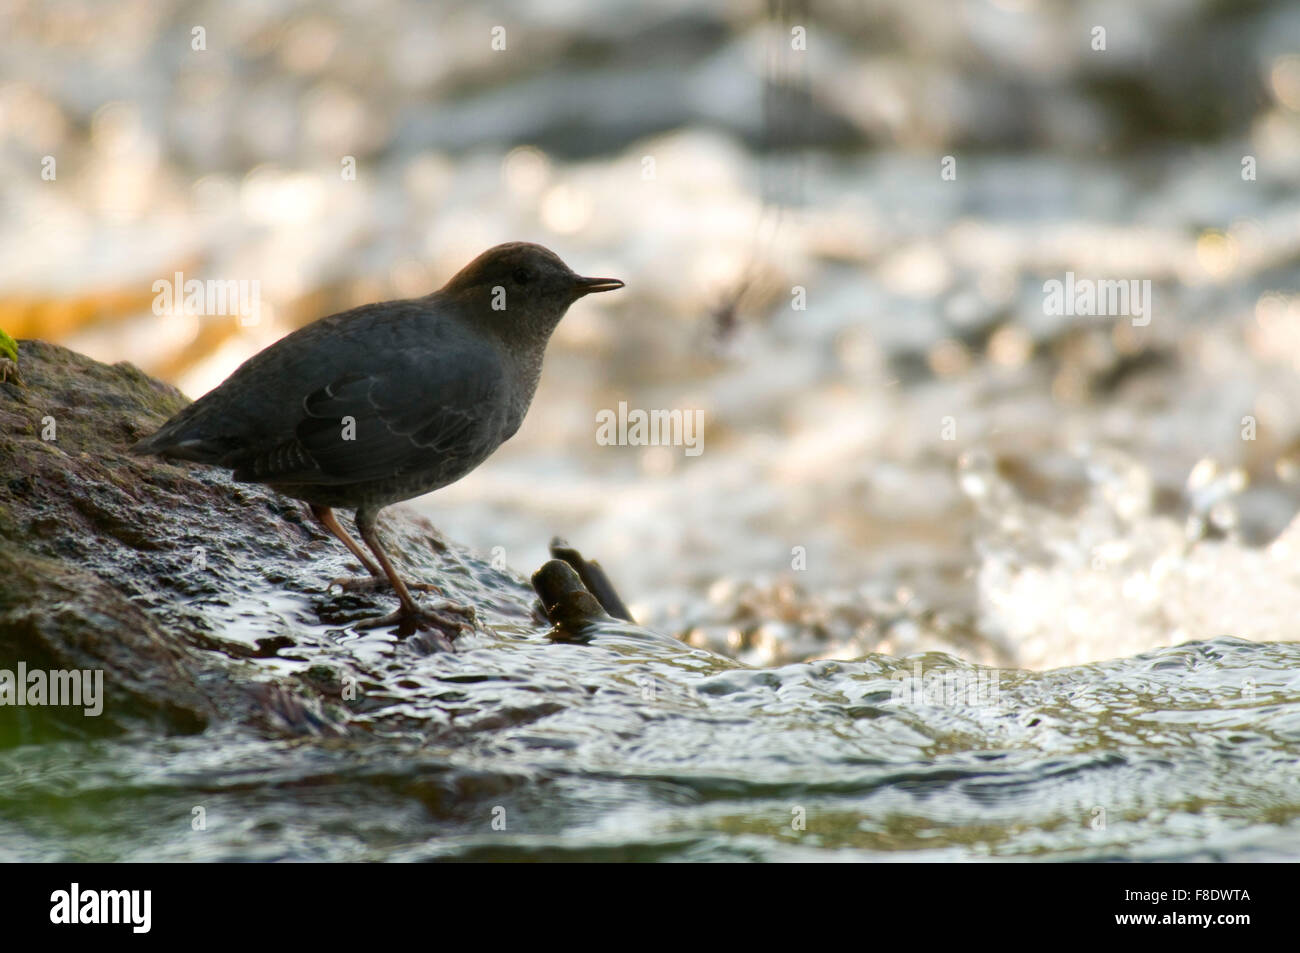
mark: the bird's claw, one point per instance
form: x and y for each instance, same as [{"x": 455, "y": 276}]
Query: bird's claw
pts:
[{"x": 446, "y": 621}]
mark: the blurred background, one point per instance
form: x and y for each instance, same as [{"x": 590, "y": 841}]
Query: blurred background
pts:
[{"x": 921, "y": 457}]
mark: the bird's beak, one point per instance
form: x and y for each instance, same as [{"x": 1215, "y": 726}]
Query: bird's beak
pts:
[{"x": 586, "y": 286}]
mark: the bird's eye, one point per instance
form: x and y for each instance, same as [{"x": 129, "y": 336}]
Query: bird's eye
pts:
[{"x": 522, "y": 275}]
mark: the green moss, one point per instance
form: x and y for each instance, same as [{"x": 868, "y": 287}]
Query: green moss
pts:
[{"x": 8, "y": 346}]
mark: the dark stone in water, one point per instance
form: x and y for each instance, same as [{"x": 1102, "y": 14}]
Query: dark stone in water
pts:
[
  {"x": 593, "y": 578},
  {"x": 566, "y": 602}
]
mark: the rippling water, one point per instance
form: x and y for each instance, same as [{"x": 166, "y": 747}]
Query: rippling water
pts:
[{"x": 634, "y": 747}]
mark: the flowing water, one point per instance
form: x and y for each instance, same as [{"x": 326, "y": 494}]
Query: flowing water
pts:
[{"x": 635, "y": 747}]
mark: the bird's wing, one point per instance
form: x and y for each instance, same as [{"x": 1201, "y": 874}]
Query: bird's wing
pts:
[
  {"x": 257, "y": 407},
  {"x": 401, "y": 419}
]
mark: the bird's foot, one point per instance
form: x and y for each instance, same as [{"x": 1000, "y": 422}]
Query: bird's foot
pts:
[
  {"x": 445, "y": 621},
  {"x": 375, "y": 584}
]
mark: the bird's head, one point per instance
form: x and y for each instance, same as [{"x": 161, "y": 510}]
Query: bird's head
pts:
[{"x": 522, "y": 287}]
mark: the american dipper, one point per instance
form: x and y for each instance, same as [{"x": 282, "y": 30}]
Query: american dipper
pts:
[{"x": 387, "y": 401}]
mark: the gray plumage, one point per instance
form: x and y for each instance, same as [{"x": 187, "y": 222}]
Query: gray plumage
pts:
[
  {"x": 387, "y": 401},
  {"x": 422, "y": 397}
]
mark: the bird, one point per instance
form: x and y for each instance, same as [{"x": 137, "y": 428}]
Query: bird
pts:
[{"x": 387, "y": 402}]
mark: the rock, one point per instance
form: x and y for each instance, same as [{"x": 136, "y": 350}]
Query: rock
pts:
[
  {"x": 566, "y": 602},
  {"x": 591, "y": 577}
]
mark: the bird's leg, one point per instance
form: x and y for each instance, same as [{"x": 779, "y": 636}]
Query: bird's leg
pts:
[
  {"x": 325, "y": 516},
  {"x": 447, "y": 619},
  {"x": 376, "y": 580}
]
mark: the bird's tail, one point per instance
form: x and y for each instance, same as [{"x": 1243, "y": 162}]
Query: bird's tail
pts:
[{"x": 177, "y": 439}]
